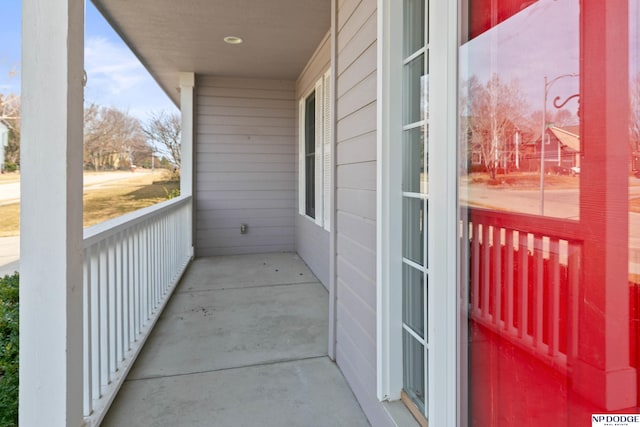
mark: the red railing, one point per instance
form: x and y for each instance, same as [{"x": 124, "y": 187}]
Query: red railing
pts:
[{"x": 524, "y": 281}]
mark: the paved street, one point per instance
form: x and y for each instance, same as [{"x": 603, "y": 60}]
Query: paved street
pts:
[
  {"x": 9, "y": 193},
  {"x": 9, "y": 255},
  {"x": 557, "y": 203}
]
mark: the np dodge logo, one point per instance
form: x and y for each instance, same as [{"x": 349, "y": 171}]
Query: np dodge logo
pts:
[{"x": 615, "y": 420}]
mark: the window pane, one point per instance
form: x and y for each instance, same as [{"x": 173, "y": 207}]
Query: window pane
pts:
[
  {"x": 413, "y": 26},
  {"x": 413, "y": 231},
  {"x": 413, "y": 294},
  {"x": 310, "y": 186},
  {"x": 310, "y": 124},
  {"x": 415, "y": 180},
  {"x": 414, "y": 373},
  {"x": 413, "y": 84},
  {"x": 310, "y": 155}
]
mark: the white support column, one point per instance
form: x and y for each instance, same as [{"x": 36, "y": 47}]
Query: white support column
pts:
[
  {"x": 333, "y": 215},
  {"x": 389, "y": 202},
  {"x": 187, "y": 82},
  {"x": 51, "y": 214}
]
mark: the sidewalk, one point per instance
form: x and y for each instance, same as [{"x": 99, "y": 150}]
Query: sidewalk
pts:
[{"x": 9, "y": 255}]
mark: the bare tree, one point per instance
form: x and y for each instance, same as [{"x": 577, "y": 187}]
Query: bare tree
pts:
[
  {"x": 564, "y": 117},
  {"x": 10, "y": 116},
  {"x": 163, "y": 130},
  {"x": 112, "y": 138},
  {"x": 495, "y": 111}
]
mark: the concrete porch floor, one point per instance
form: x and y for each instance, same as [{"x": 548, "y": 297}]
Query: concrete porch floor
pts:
[{"x": 243, "y": 341}]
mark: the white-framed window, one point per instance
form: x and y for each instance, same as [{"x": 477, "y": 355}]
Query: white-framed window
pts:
[
  {"x": 314, "y": 171},
  {"x": 417, "y": 330}
]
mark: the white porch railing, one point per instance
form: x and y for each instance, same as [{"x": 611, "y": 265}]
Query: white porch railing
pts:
[{"x": 131, "y": 266}]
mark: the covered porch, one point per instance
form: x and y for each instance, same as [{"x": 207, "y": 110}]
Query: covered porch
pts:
[{"x": 135, "y": 312}]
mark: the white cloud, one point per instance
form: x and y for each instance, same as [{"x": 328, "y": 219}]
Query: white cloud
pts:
[
  {"x": 116, "y": 78},
  {"x": 111, "y": 68}
]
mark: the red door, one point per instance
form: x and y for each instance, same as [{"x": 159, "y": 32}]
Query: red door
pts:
[{"x": 553, "y": 260}]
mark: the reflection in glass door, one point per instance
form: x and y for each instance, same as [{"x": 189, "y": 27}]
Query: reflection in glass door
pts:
[
  {"x": 415, "y": 203},
  {"x": 547, "y": 193}
]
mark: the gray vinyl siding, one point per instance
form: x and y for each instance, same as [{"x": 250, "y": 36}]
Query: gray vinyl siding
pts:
[
  {"x": 312, "y": 244},
  {"x": 245, "y": 165},
  {"x": 318, "y": 64},
  {"x": 312, "y": 240},
  {"x": 356, "y": 128}
]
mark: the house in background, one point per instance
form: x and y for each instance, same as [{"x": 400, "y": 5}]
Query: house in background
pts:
[
  {"x": 561, "y": 151},
  {"x": 331, "y": 129}
]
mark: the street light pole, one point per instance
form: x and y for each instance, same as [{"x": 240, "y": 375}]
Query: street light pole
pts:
[
  {"x": 517, "y": 143},
  {"x": 544, "y": 129},
  {"x": 547, "y": 86}
]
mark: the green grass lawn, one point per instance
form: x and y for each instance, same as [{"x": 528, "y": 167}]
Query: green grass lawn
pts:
[{"x": 107, "y": 202}]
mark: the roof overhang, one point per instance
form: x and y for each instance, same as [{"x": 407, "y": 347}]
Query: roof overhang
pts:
[{"x": 169, "y": 36}]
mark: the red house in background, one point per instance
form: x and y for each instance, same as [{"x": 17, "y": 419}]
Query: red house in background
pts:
[{"x": 561, "y": 151}]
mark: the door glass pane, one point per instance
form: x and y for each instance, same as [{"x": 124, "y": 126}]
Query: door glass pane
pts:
[
  {"x": 413, "y": 299},
  {"x": 413, "y": 26},
  {"x": 413, "y": 82},
  {"x": 414, "y": 180},
  {"x": 414, "y": 372},
  {"x": 415, "y": 197},
  {"x": 413, "y": 229},
  {"x": 548, "y": 194}
]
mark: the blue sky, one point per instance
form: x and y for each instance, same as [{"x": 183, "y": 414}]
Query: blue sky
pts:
[{"x": 115, "y": 76}]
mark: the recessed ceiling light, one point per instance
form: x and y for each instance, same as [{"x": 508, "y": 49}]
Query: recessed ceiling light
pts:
[{"x": 233, "y": 40}]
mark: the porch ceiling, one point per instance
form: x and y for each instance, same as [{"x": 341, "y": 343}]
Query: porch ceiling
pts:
[{"x": 170, "y": 36}]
